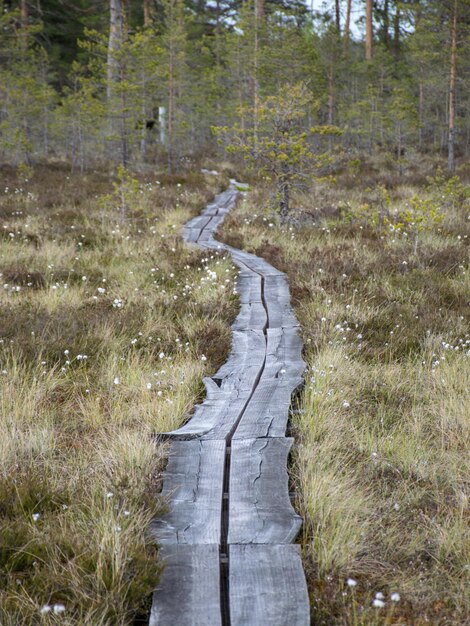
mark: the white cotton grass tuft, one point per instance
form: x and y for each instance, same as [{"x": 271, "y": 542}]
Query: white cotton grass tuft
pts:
[
  {"x": 395, "y": 597},
  {"x": 378, "y": 604},
  {"x": 351, "y": 582}
]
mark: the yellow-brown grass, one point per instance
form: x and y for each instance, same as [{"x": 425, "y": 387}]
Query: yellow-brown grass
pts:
[
  {"x": 383, "y": 428},
  {"x": 108, "y": 323}
]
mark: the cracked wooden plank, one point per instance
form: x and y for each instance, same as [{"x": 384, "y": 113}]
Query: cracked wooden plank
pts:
[
  {"x": 260, "y": 510},
  {"x": 252, "y": 315},
  {"x": 267, "y": 414},
  {"x": 188, "y": 593},
  {"x": 236, "y": 379},
  {"x": 192, "y": 484},
  {"x": 247, "y": 404},
  {"x": 284, "y": 353},
  {"x": 268, "y": 411},
  {"x": 267, "y": 586}
]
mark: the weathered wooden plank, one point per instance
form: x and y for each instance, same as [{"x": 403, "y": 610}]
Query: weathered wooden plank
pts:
[
  {"x": 212, "y": 422},
  {"x": 267, "y": 586},
  {"x": 252, "y": 315},
  {"x": 277, "y": 299},
  {"x": 283, "y": 353},
  {"x": 188, "y": 594},
  {"x": 267, "y": 413},
  {"x": 230, "y": 389},
  {"x": 199, "y": 222},
  {"x": 247, "y": 405},
  {"x": 249, "y": 287},
  {"x": 193, "y": 483},
  {"x": 191, "y": 234},
  {"x": 246, "y": 358},
  {"x": 277, "y": 287},
  {"x": 207, "y": 233},
  {"x": 260, "y": 510}
]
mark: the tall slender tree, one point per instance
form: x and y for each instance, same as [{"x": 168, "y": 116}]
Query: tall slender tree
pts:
[
  {"x": 369, "y": 29},
  {"x": 452, "y": 84},
  {"x": 116, "y": 95},
  {"x": 347, "y": 28},
  {"x": 147, "y": 14},
  {"x": 338, "y": 16},
  {"x": 396, "y": 30}
]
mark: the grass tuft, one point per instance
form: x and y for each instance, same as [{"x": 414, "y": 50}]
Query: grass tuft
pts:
[
  {"x": 108, "y": 323},
  {"x": 381, "y": 468}
]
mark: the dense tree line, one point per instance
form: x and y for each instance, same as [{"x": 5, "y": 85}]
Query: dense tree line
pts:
[{"x": 147, "y": 80}]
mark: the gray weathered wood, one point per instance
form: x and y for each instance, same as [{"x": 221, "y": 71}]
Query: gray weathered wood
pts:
[
  {"x": 236, "y": 380},
  {"x": 267, "y": 413},
  {"x": 245, "y": 411},
  {"x": 267, "y": 586},
  {"x": 249, "y": 287},
  {"x": 252, "y": 315},
  {"x": 260, "y": 510},
  {"x": 268, "y": 410},
  {"x": 192, "y": 484},
  {"x": 188, "y": 593}
]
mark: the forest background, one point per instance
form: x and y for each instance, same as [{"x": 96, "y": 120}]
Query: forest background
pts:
[{"x": 145, "y": 81}]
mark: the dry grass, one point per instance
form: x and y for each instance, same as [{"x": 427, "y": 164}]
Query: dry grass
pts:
[
  {"x": 383, "y": 431},
  {"x": 107, "y": 325}
]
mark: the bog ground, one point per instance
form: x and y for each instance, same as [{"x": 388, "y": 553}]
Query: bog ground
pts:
[{"x": 109, "y": 324}]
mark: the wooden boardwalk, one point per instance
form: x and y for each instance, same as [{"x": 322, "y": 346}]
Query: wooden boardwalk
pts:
[{"x": 228, "y": 536}]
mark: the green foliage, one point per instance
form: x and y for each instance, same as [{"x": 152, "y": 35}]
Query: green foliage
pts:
[
  {"x": 422, "y": 213},
  {"x": 417, "y": 215},
  {"x": 276, "y": 145},
  {"x": 213, "y": 64},
  {"x": 449, "y": 191},
  {"x": 372, "y": 213}
]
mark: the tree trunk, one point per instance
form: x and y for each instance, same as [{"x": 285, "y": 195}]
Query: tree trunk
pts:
[
  {"x": 347, "y": 28},
  {"x": 24, "y": 20},
  {"x": 337, "y": 17},
  {"x": 386, "y": 24},
  {"x": 369, "y": 31},
  {"x": 284, "y": 201},
  {"x": 171, "y": 99},
  {"x": 147, "y": 15},
  {"x": 396, "y": 31},
  {"x": 259, "y": 17},
  {"x": 420, "y": 114},
  {"x": 452, "y": 87},
  {"x": 24, "y": 13},
  {"x": 331, "y": 89},
  {"x": 116, "y": 38},
  {"x": 114, "y": 72}
]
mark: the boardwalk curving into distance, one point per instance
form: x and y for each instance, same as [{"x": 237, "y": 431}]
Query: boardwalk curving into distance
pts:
[{"x": 227, "y": 539}]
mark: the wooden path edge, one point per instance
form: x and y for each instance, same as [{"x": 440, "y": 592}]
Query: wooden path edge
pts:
[{"x": 227, "y": 539}]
